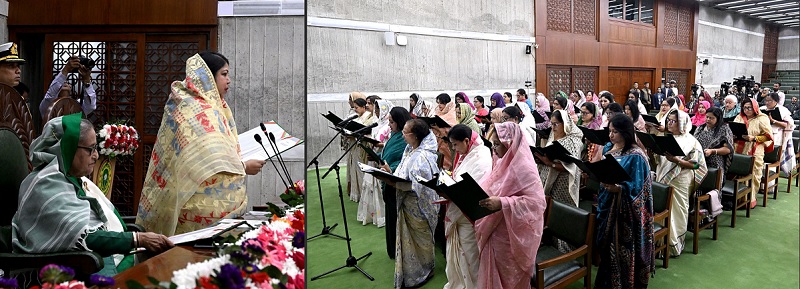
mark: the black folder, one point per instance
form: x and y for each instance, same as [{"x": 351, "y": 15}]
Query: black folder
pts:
[
  {"x": 351, "y": 125},
  {"x": 738, "y": 129},
  {"x": 729, "y": 119},
  {"x": 596, "y": 136},
  {"x": 650, "y": 119},
  {"x": 543, "y": 133},
  {"x": 607, "y": 171},
  {"x": 371, "y": 154},
  {"x": 538, "y": 117},
  {"x": 776, "y": 114},
  {"x": 694, "y": 128},
  {"x": 381, "y": 174},
  {"x": 435, "y": 121},
  {"x": 660, "y": 144},
  {"x": 555, "y": 151},
  {"x": 485, "y": 119},
  {"x": 465, "y": 194}
]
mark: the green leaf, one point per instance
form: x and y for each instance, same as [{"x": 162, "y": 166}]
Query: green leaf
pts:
[
  {"x": 133, "y": 285},
  {"x": 173, "y": 286},
  {"x": 273, "y": 271},
  {"x": 153, "y": 281}
]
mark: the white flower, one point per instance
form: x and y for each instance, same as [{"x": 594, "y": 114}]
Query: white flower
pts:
[{"x": 185, "y": 278}]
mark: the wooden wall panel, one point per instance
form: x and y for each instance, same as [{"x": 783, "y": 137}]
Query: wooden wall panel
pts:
[
  {"x": 558, "y": 78},
  {"x": 104, "y": 12},
  {"x": 631, "y": 33},
  {"x": 618, "y": 84},
  {"x": 559, "y": 14},
  {"x": 585, "y": 17}
]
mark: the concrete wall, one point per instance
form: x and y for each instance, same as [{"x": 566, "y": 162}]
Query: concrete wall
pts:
[
  {"x": 789, "y": 49},
  {"x": 733, "y": 45},
  {"x": 3, "y": 21},
  {"x": 477, "y": 48},
  {"x": 267, "y": 60}
]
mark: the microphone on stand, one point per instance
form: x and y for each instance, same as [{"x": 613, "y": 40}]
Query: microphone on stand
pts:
[
  {"x": 360, "y": 130},
  {"x": 348, "y": 119},
  {"x": 258, "y": 139},
  {"x": 274, "y": 146}
]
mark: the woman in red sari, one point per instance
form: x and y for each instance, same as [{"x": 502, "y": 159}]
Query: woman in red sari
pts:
[{"x": 508, "y": 239}]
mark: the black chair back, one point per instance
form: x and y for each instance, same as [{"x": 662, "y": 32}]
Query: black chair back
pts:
[
  {"x": 773, "y": 156},
  {"x": 568, "y": 223},
  {"x": 13, "y": 169},
  {"x": 711, "y": 182},
  {"x": 660, "y": 197},
  {"x": 741, "y": 165}
]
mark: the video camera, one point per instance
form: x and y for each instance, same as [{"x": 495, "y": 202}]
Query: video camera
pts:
[{"x": 88, "y": 62}]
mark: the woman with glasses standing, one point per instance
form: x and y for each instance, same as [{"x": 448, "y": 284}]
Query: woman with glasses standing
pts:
[
  {"x": 757, "y": 141},
  {"x": 781, "y": 129}
]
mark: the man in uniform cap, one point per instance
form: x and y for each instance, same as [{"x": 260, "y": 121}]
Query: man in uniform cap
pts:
[{"x": 10, "y": 71}]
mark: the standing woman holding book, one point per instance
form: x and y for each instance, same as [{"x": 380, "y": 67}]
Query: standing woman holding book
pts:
[
  {"x": 562, "y": 180},
  {"x": 717, "y": 140},
  {"x": 391, "y": 155},
  {"x": 757, "y": 141},
  {"x": 370, "y": 207},
  {"x": 354, "y": 175},
  {"x": 463, "y": 258},
  {"x": 625, "y": 214},
  {"x": 508, "y": 239},
  {"x": 682, "y": 174},
  {"x": 416, "y": 212}
]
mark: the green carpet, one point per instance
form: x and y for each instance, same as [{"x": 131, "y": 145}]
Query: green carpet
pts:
[{"x": 761, "y": 252}]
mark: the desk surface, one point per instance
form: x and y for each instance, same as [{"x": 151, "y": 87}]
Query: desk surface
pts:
[{"x": 162, "y": 265}]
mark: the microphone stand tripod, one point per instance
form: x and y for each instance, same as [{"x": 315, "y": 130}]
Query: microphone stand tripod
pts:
[
  {"x": 326, "y": 230},
  {"x": 351, "y": 261}
]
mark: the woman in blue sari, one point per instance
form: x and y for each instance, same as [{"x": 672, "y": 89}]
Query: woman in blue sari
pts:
[
  {"x": 391, "y": 155},
  {"x": 625, "y": 214}
]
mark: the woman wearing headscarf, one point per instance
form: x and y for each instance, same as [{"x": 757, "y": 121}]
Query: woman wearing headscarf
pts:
[
  {"x": 527, "y": 122},
  {"x": 446, "y": 110},
  {"x": 625, "y": 214},
  {"x": 757, "y": 141},
  {"x": 463, "y": 258},
  {"x": 480, "y": 107},
  {"x": 681, "y": 173},
  {"x": 496, "y": 117},
  {"x": 581, "y": 98},
  {"x": 666, "y": 106},
  {"x": 191, "y": 157},
  {"x": 731, "y": 107},
  {"x": 60, "y": 210},
  {"x": 464, "y": 99},
  {"x": 508, "y": 239},
  {"x": 591, "y": 97},
  {"x": 570, "y": 105},
  {"x": 700, "y": 116},
  {"x": 370, "y": 207},
  {"x": 391, "y": 155},
  {"x": 591, "y": 120},
  {"x": 514, "y": 114},
  {"x": 781, "y": 130},
  {"x": 562, "y": 180},
  {"x": 682, "y": 103},
  {"x": 497, "y": 101},
  {"x": 355, "y": 177},
  {"x": 466, "y": 117},
  {"x": 416, "y": 212},
  {"x": 542, "y": 108},
  {"x": 542, "y": 103},
  {"x": 716, "y": 138},
  {"x": 419, "y": 107},
  {"x": 635, "y": 97}
]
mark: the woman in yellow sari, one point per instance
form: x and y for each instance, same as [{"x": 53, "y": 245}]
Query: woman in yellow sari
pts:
[{"x": 196, "y": 175}]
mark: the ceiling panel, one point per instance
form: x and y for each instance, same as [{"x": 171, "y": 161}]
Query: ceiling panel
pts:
[{"x": 780, "y": 12}]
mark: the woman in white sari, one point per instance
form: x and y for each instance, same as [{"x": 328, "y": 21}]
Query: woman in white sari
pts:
[
  {"x": 562, "y": 180},
  {"x": 463, "y": 258},
  {"x": 370, "y": 208},
  {"x": 680, "y": 173},
  {"x": 781, "y": 130},
  {"x": 355, "y": 176}
]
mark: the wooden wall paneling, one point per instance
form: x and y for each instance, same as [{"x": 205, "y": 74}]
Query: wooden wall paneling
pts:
[
  {"x": 618, "y": 84},
  {"x": 559, "y": 15},
  {"x": 770, "y": 55},
  {"x": 558, "y": 79},
  {"x": 585, "y": 79},
  {"x": 685, "y": 22},
  {"x": 586, "y": 52},
  {"x": 585, "y": 17},
  {"x": 103, "y": 12}
]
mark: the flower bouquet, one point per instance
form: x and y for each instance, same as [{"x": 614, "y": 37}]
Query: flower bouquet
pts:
[
  {"x": 293, "y": 196},
  {"x": 118, "y": 140},
  {"x": 61, "y": 277}
]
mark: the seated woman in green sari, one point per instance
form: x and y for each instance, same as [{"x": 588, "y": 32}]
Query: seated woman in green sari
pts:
[{"x": 60, "y": 210}]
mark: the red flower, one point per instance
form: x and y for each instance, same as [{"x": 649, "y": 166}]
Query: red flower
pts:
[
  {"x": 259, "y": 277},
  {"x": 299, "y": 259},
  {"x": 205, "y": 282},
  {"x": 298, "y": 225},
  {"x": 299, "y": 215}
]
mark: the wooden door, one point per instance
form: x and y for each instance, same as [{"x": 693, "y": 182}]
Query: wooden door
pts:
[
  {"x": 132, "y": 76},
  {"x": 619, "y": 84}
]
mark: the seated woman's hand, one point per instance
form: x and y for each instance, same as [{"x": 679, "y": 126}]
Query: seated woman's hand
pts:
[
  {"x": 154, "y": 242},
  {"x": 252, "y": 167}
]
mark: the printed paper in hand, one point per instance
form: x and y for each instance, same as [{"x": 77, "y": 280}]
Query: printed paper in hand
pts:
[{"x": 251, "y": 150}]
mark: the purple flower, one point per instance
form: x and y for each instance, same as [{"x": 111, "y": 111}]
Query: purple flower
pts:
[
  {"x": 8, "y": 283},
  {"x": 249, "y": 268},
  {"x": 49, "y": 270},
  {"x": 243, "y": 257},
  {"x": 56, "y": 274},
  {"x": 254, "y": 247},
  {"x": 68, "y": 271},
  {"x": 100, "y": 280},
  {"x": 230, "y": 277},
  {"x": 299, "y": 240}
]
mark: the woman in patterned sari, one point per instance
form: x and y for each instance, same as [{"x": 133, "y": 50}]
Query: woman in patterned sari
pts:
[
  {"x": 466, "y": 117},
  {"x": 682, "y": 174},
  {"x": 355, "y": 177},
  {"x": 196, "y": 175},
  {"x": 509, "y": 238},
  {"x": 370, "y": 207},
  {"x": 625, "y": 214},
  {"x": 717, "y": 140},
  {"x": 562, "y": 180},
  {"x": 463, "y": 258},
  {"x": 416, "y": 213},
  {"x": 757, "y": 141}
]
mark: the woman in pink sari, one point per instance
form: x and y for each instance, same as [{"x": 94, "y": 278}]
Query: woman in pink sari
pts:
[{"x": 508, "y": 239}]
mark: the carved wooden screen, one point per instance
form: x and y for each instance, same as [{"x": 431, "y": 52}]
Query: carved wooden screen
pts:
[
  {"x": 678, "y": 21},
  {"x": 572, "y": 16},
  {"x": 569, "y": 79},
  {"x": 680, "y": 77},
  {"x": 132, "y": 75}
]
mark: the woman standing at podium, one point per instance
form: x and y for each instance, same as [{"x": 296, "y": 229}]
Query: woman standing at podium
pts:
[
  {"x": 416, "y": 213},
  {"x": 475, "y": 159},
  {"x": 196, "y": 153},
  {"x": 508, "y": 239}
]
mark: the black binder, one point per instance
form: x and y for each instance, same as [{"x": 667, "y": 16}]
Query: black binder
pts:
[
  {"x": 371, "y": 154},
  {"x": 555, "y": 151},
  {"x": 537, "y": 117},
  {"x": 350, "y": 126},
  {"x": 607, "y": 171},
  {"x": 776, "y": 114},
  {"x": 381, "y": 174},
  {"x": 738, "y": 129},
  {"x": 435, "y": 121},
  {"x": 465, "y": 194},
  {"x": 660, "y": 145},
  {"x": 729, "y": 119},
  {"x": 596, "y": 136},
  {"x": 543, "y": 133},
  {"x": 650, "y": 119}
]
